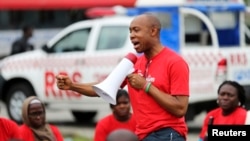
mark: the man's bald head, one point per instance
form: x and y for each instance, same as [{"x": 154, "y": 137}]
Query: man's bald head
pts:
[
  {"x": 122, "y": 135},
  {"x": 150, "y": 19}
]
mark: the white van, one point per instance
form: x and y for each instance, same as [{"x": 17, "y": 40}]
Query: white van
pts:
[{"x": 86, "y": 51}]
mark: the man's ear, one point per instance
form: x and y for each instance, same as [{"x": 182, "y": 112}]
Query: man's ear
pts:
[{"x": 154, "y": 31}]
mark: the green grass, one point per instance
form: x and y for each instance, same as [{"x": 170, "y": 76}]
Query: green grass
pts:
[{"x": 76, "y": 138}]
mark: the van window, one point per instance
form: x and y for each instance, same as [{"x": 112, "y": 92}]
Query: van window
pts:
[
  {"x": 196, "y": 32},
  {"x": 226, "y": 25},
  {"x": 74, "y": 41},
  {"x": 39, "y": 18},
  {"x": 223, "y": 20},
  {"x": 247, "y": 28},
  {"x": 112, "y": 37},
  {"x": 165, "y": 19}
]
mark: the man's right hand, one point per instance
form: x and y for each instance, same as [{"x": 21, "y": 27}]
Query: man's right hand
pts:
[{"x": 63, "y": 82}]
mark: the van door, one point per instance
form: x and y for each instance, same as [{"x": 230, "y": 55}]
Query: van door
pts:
[
  {"x": 66, "y": 56},
  {"x": 199, "y": 47},
  {"x": 247, "y": 26}
]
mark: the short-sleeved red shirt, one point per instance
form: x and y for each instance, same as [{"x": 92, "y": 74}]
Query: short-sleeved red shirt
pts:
[
  {"x": 8, "y": 130},
  {"x": 109, "y": 124},
  {"x": 169, "y": 73},
  {"x": 238, "y": 117}
]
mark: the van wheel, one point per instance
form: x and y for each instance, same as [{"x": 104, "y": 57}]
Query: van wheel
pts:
[
  {"x": 83, "y": 117},
  {"x": 15, "y": 97}
]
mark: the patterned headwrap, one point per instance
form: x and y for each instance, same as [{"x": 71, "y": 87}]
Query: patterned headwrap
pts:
[{"x": 43, "y": 133}]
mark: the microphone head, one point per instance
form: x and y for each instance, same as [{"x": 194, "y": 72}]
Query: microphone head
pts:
[{"x": 132, "y": 57}]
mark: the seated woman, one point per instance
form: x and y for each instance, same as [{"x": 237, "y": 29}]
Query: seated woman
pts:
[
  {"x": 231, "y": 100},
  {"x": 121, "y": 117},
  {"x": 34, "y": 127}
]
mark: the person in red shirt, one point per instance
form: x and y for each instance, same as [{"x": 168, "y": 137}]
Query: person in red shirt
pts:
[
  {"x": 34, "y": 127},
  {"x": 159, "y": 87},
  {"x": 9, "y": 130},
  {"x": 121, "y": 117},
  {"x": 231, "y": 101}
]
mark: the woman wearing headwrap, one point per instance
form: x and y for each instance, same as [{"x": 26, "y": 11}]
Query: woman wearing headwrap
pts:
[{"x": 34, "y": 127}]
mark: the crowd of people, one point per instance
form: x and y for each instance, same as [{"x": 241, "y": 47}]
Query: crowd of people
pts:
[
  {"x": 158, "y": 94},
  {"x": 33, "y": 127}
]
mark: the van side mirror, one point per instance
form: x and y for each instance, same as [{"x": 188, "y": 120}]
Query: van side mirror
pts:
[{"x": 45, "y": 48}]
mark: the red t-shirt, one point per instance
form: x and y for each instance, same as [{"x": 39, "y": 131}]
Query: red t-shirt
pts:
[
  {"x": 169, "y": 73},
  {"x": 237, "y": 117},
  {"x": 8, "y": 130},
  {"x": 109, "y": 124},
  {"x": 27, "y": 134}
]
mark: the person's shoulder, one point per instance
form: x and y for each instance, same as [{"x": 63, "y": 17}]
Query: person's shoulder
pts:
[
  {"x": 9, "y": 124},
  {"x": 7, "y": 121},
  {"x": 3, "y": 119},
  {"x": 215, "y": 111},
  {"x": 167, "y": 49},
  {"x": 18, "y": 40},
  {"x": 241, "y": 111},
  {"x": 171, "y": 54},
  {"x": 53, "y": 127},
  {"x": 107, "y": 119},
  {"x": 172, "y": 57},
  {"x": 24, "y": 129}
]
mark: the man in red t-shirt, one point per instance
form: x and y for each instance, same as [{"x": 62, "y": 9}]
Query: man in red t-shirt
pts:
[
  {"x": 121, "y": 118},
  {"x": 159, "y": 88}
]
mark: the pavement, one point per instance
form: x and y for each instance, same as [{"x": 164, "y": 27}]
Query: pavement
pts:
[{"x": 67, "y": 125}]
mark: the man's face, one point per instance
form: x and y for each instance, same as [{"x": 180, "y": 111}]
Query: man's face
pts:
[
  {"x": 140, "y": 34},
  {"x": 36, "y": 115},
  {"x": 228, "y": 97}
]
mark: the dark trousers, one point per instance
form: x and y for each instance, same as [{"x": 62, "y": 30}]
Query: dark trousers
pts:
[{"x": 165, "y": 134}]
